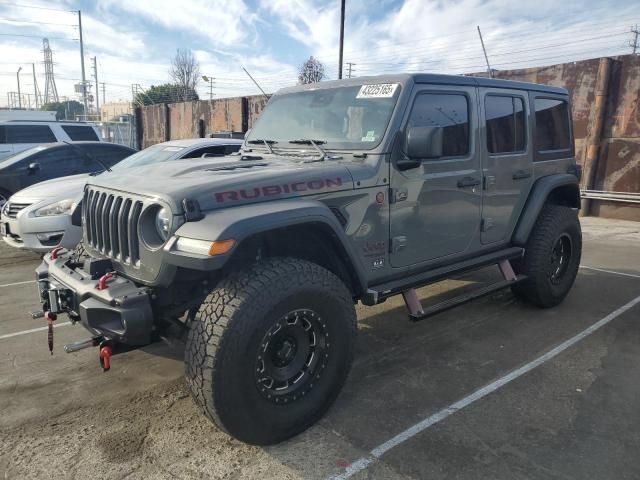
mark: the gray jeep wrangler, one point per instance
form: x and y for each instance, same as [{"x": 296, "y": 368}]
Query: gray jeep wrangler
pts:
[{"x": 345, "y": 191}]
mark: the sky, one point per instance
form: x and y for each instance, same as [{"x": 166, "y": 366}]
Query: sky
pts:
[{"x": 134, "y": 40}]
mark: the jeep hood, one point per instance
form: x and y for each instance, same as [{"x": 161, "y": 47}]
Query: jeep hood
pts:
[{"x": 228, "y": 181}]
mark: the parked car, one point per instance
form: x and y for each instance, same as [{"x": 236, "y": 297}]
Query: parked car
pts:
[
  {"x": 349, "y": 190},
  {"x": 19, "y": 135},
  {"x": 54, "y": 160},
  {"x": 38, "y": 218}
]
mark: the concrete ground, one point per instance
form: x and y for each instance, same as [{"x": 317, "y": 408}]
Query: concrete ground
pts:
[{"x": 574, "y": 416}]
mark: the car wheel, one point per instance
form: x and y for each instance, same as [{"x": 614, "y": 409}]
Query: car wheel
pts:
[
  {"x": 270, "y": 348},
  {"x": 552, "y": 257}
]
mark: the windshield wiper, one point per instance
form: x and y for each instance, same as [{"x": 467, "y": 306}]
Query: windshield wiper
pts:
[
  {"x": 316, "y": 144},
  {"x": 266, "y": 143},
  {"x": 84, "y": 154}
]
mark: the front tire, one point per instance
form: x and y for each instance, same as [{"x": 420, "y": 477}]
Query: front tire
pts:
[
  {"x": 552, "y": 257},
  {"x": 270, "y": 348}
]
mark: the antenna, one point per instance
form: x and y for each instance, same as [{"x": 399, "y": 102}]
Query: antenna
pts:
[{"x": 254, "y": 81}]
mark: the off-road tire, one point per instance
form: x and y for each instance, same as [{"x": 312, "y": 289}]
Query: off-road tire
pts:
[
  {"x": 555, "y": 224},
  {"x": 227, "y": 335}
]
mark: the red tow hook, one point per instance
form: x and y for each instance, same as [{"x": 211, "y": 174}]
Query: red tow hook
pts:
[
  {"x": 105, "y": 357},
  {"x": 102, "y": 283},
  {"x": 54, "y": 253}
]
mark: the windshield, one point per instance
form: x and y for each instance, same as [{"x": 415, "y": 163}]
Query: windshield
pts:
[
  {"x": 21, "y": 156},
  {"x": 351, "y": 118},
  {"x": 154, "y": 154}
]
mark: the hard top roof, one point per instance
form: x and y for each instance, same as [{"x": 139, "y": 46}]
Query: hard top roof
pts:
[{"x": 426, "y": 78}]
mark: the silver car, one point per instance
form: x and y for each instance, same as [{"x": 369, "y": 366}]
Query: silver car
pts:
[{"x": 38, "y": 218}]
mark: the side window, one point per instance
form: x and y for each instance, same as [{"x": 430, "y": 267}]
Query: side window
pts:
[
  {"x": 58, "y": 157},
  {"x": 2, "y": 134},
  {"x": 449, "y": 111},
  {"x": 210, "y": 151},
  {"x": 29, "y": 134},
  {"x": 105, "y": 153},
  {"x": 229, "y": 149},
  {"x": 78, "y": 132},
  {"x": 504, "y": 117},
  {"x": 552, "y": 125}
]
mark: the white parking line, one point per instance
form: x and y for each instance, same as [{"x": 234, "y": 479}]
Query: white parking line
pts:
[
  {"x": 17, "y": 283},
  {"x": 39, "y": 329},
  {"x": 376, "y": 453},
  {"x": 612, "y": 272}
]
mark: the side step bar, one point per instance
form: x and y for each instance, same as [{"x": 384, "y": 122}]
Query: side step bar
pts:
[{"x": 417, "y": 312}]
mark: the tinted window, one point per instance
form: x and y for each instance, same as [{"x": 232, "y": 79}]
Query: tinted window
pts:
[
  {"x": 55, "y": 157},
  {"x": 105, "y": 153},
  {"x": 449, "y": 111},
  {"x": 77, "y": 132},
  {"x": 505, "y": 124},
  {"x": 29, "y": 134},
  {"x": 208, "y": 151},
  {"x": 552, "y": 124}
]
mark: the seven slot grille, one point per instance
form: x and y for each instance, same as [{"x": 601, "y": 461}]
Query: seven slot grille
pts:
[{"x": 111, "y": 225}]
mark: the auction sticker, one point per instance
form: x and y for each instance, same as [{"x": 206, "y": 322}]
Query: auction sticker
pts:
[{"x": 377, "y": 90}]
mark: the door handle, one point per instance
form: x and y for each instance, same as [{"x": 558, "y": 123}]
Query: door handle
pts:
[
  {"x": 468, "y": 182},
  {"x": 521, "y": 174}
]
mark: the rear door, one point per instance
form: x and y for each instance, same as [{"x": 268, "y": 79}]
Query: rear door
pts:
[
  {"x": 435, "y": 208},
  {"x": 6, "y": 149},
  {"x": 507, "y": 163}
]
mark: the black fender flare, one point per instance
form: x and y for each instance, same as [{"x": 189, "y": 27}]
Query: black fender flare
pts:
[
  {"x": 241, "y": 222},
  {"x": 538, "y": 196}
]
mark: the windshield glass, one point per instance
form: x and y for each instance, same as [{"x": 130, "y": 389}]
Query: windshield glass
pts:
[
  {"x": 21, "y": 156},
  {"x": 153, "y": 154},
  {"x": 352, "y": 118}
]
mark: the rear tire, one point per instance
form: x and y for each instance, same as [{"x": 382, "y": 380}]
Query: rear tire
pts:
[
  {"x": 270, "y": 348},
  {"x": 552, "y": 257}
]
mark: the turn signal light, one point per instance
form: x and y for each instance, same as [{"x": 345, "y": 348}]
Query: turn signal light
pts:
[{"x": 221, "y": 246}]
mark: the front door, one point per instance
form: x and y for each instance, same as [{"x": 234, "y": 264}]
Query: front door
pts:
[
  {"x": 507, "y": 164},
  {"x": 435, "y": 208}
]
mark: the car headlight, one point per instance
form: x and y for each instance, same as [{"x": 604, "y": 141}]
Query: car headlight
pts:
[
  {"x": 163, "y": 223},
  {"x": 63, "y": 207}
]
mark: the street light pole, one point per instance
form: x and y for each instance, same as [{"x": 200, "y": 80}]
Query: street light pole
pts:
[
  {"x": 341, "y": 39},
  {"x": 84, "y": 79},
  {"x": 19, "y": 99}
]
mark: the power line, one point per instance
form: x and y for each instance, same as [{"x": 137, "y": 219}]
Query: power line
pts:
[
  {"x": 35, "y": 7},
  {"x": 31, "y": 22},
  {"x": 37, "y": 36}
]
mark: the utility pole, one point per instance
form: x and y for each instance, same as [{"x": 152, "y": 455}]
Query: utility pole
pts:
[
  {"x": 84, "y": 78},
  {"x": 104, "y": 95},
  {"x": 19, "y": 99},
  {"x": 95, "y": 76},
  {"x": 210, "y": 80},
  {"x": 349, "y": 71},
  {"x": 341, "y": 39},
  {"x": 635, "y": 45},
  {"x": 35, "y": 85},
  {"x": 485, "y": 53}
]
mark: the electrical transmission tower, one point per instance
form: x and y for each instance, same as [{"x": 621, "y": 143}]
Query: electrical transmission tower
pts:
[
  {"x": 50, "y": 90},
  {"x": 350, "y": 69},
  {"x": 634, "y": 44}
]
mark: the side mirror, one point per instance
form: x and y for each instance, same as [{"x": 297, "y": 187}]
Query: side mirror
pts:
[
  {"x": 33, "y": 167},
  {"x": 424, "y": 142}
]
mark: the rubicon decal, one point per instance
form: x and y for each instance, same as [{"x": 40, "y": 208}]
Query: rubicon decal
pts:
[{"x": 274, "y": 190}]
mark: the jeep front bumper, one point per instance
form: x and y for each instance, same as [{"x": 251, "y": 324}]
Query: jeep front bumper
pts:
[{"x": 119, "y": 312}]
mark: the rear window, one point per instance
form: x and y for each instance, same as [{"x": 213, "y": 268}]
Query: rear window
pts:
[
  {"x": 78, "y": 132},
  {"x": 505, "y": 124},
  {"x": 552, "y": 125},
  {"x": 28, "y": 134}
]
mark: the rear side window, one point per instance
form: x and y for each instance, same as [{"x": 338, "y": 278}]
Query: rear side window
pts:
[
  {"x": 449, "y": 111},
  {"x": 78, "y": 132},
  {"x": 552, "y": 125},
  {"x": 29, "y": 134},
  {"x": 107, "y": 154},
  {"x": 505, "y": 124}
]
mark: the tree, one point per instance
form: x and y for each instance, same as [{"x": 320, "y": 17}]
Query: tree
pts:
[
  {"x": 185, "y": 71},
  {"x": 167, "y": 93},
  {"x": 66, "y": 110},
  {"x": 311, "y": 71}
]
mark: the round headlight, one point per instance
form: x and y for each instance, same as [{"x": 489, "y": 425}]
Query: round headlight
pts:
[{"x": 163, "y": 223}]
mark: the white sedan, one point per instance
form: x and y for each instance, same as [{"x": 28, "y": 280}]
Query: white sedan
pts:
[{"x": 39, "y": 217}]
